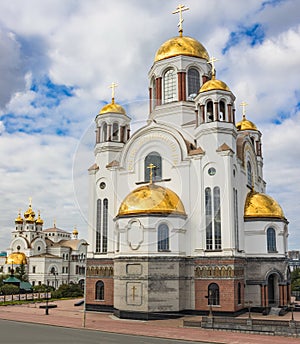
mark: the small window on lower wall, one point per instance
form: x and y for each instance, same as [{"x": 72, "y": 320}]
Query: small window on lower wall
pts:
[
  {"x": 213, "y": 295},
  {"x": 163, "y": 237},
  {"x": 99, "y": 291}
]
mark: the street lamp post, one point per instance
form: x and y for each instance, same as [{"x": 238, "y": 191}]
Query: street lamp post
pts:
[
  {"x": 84, "y": 289},
  {"x": 47, "y": 301}
]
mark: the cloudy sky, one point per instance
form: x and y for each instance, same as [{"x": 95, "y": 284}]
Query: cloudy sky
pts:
[{"x": 57, "y": 59}]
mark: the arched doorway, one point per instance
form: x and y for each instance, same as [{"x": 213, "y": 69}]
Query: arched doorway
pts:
[{"x": 273, "y": 290}]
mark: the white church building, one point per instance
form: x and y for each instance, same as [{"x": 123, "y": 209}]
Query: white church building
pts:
[
  {"x": 179, "y": 218},
  {"x": 50, "y": 256}
]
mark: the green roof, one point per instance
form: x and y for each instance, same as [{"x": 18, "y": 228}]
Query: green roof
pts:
[{"x": 12, "y": 279}]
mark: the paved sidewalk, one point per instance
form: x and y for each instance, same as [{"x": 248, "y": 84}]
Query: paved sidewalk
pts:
[{"x": 67, "y": 315}]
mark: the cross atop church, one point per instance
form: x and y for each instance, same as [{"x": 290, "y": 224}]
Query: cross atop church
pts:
[
  {"x": 151, "y": 168},
  {"x": 113, "y": 87},
  {"x": 243, "y": 105},
  {"x": 30, "y": 201},
  {"x": 179, "y": 9},
  {"x": 212, "y": 61}
]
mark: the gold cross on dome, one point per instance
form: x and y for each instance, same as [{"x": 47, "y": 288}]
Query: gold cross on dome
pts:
[
  {"x": 151, "y": 167},
  {"x": 30, "y": 201},
  {"x": 212, "y": 61},
  {"x": 179, "y": 9},
  {"x": 243, "y": 105},
  {"x": 113, "y": 87}
]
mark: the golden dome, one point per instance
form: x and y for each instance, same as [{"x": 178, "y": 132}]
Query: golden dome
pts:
[
  {"x": 19, "y": 219},
  {"x": 39, "y": 221},
  {"x": 75, "y": 231},
  {"x": 30, "y": 219},
  {"x": 181, "y": 45},
  {"x": 16, "y": 258},
  {"x": 261, "y": 205},
  {"x": 244, "y": 124},
  {"x": 151, "y": 199},
  {"x": 112, "y": 107},
  {"x": 214, "y": 84},
  {"x": 29, "y": 212}
]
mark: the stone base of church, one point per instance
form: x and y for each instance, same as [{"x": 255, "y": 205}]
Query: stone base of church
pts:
[{"x": 166, "y": 287}]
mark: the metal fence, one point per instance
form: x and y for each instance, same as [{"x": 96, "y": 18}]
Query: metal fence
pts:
[{"x": 24, "y": 297}]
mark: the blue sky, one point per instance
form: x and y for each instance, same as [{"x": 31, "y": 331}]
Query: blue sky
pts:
[{"x": 58, "y": 59}]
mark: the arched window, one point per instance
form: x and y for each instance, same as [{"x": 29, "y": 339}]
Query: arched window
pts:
[
  {"x": 209, "y": 111},
  {"x": 213, "y": 294},
  {"x": 170, "y": 86},
  {"x": 99, "y": 291},
  {"x": 249, "y": 174},
  {"x": 155, "y": 159},
  {"x": 115, "y": 136},
  {"x": 153, "y": 100},
  {"x": 98, "y": 226},
  {"x": 222, "y": 114},
  {"x": 208, "y": 219},
  {"x": 104, "y": 132},
  {"x": 163, "y": 237},
  {"x": 105, "y": 225},
  {"x": 217, "y": 218},
  {"x": 239, "y": 292},
  {"x": 193, "y": 83},
  {"x": 213, "y": 219},
  {"x": 271, "y": 240}
]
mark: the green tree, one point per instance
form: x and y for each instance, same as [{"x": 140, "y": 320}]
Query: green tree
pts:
[
  {"x": 295, "y": 279},
  {"x": 21, "y": 273},
  {"x": 68, "y": 290},
  {"x": 9, "y": 289}
]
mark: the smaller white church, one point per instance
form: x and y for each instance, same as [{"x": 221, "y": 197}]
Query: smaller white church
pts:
[{"x": 51, "y": 256}]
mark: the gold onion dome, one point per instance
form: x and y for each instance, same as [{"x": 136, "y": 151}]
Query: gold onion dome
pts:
[
  {"x": 39, "y": 221},
  {"x": 261, "y": 205},
  {"x": 112, "y": 108},
  {"x": 75, "y": 231},
  {"x": 19, "y": 219},
  {"x": 151, "y": 199},
  {"x": 29, "y": 212},
  {"x": 181, "y": 45},
  {"x": 214, "y": 84},
  {"x": 16, "y": 258},
  {"x": 245, "y": 124}
]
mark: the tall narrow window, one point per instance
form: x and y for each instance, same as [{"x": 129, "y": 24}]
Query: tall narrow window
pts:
[
  {"x": 213, "y": 294},
  {"x": 163, "y": 237},
  {"x": 208, "y": 219},
  {"x": 193, "y": 83},
  {"x": 115, "y": 136},
  {"x": 239, "y": 292},
  {"x": 155, "y": 159},
  {"x": 153, "y": 100},
  {"x": 271, "y": 240},
  {"x": 105, "y": 224},
  {"x": 98, "y": 226},
  {"x": 170, "y": 86},
  {"x": 213, "y": 219},
  {"x": 236, "y": 219},
  {"x": 217, "y": 218},
  {"x": 249, "y": 174},
  {"x": 209, "y": 111},
  {"x": 222, "y": 111},
  {"x": 104, "y": 131},
  {"x": 99, "y": 291}
]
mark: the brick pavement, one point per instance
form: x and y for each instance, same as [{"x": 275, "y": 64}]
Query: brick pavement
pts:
[{"x": 67, "y": 315}]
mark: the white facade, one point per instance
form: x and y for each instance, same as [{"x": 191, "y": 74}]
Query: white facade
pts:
[
  {"x": 215, "y": 168},
  {"x": 52, "y": 256}
]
